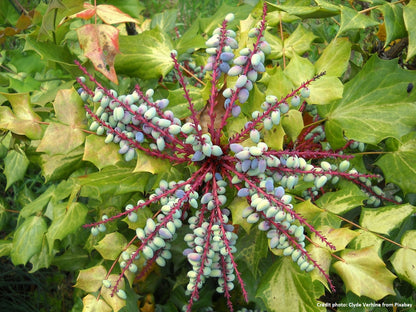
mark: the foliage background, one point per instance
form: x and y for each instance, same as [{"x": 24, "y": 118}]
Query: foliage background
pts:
[{"x": 56, "y": 175}]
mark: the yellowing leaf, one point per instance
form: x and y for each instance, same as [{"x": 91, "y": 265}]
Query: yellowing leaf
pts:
[
  {"x": 403, "y": 260},
  {"x": 90, "y": 280},
  {"x": 146, "y": 163},
  {"x": 100, "y": 153},
  {"x": 111, "y": 245},
  {"x": 365, "y": 274},
  {"x": 113, "y": 300},
  {"x": 91, "y": 304},
  {"x": 100, "y": 45},
  {"x": 335, "y": 57}
]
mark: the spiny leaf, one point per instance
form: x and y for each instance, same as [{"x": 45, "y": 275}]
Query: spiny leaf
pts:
[
  {"x": 398, "y": 165},
  {"x": 351, "y": 19},
  {"x": 100, "y": 153},
  {"x": 284, "y": 285},
  {"x": 111, "y": 245},
  {"x": 335, "y": 58},
  {"x": 27, "y": 240},
  {"x": 384, "y": 108},
  {"x": 393, "y": 19},
  {"x": 365, "y": 274},
  {"x": 91, "y": 304},
  {"x": 409, "y": 13},
  {"x": 403, "y": 260},
  {"x": 90, "y": 280},
  {"x": 100, "y": 45},
  {"x": 383, "y": 220},
  {"x": 298, "y": 42}
]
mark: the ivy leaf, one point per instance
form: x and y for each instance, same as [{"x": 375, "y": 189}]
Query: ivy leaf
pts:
[
  {"x": 409, "y": 12},
  {"x": 27, "y": 239},
  {"x": 383, "y": 105},
  {"x": 90, "y": 280},
  {"x": 15, "y": 166},
  {"x": 351, "y": 19},
  {"x": 339, "y": 202},
  {"x": 383, "y": 220},
  {"x": 403, "y": 260},
  {"x": 284, "y": 285},
  {"x": 91, "y": 304},
  {"x": 397, "y": 165},
  {"x": 21, "y": 119},
  {"x": 100, "y": 45},
  {"x": 68, "y": 218},
  {"x": 335, "y": 57},
  {"x": 365, "y": 274},
  {"x": 100, "y": 153},
  {"x": 299, "y": 41},
  {"x": 146, "y": 55},
  {"x": 111, "y": 245},
  {"x": 394, "y": 23}
]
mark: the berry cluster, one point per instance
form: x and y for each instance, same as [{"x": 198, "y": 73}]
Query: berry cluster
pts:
[{"x": 242, "y": 165}]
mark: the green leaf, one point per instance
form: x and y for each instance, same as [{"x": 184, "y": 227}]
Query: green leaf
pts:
[
  {"x": 165, "y": 20},
  {"x": 299, "y": 41},
  {"x": 339, "y": 202},
  {"x": 394, "y": 23},
  {"x": 21, "y": 120},
  {"x": 398, "y": 165},
  {"x": 91, "y": 304},
  {"x": 276, "y": 44},
  {"x": 299, "y": 70},
  {"x": 90, "y": 280},
  {"x": 316, "y": 216},
  {"x": 43, "y": 258},
  {"x": 237, "y": 206},
  {"x": 112, "y": 180},
  {"x": 146, "y": 55},
  {"x": 366, "y": 239},
  {"x": 373, "y": 107},
  {"x": 6, "y": 247},
  {"x": 409, "y": 13},
  {"x": 39, "y": 203},
  {"x": 308, "y": 11},
  {"x": 325, "y": 90},
  {"x": 4, "y": 214},
  {"x": 292, "y": 123},
  {"x": 252, "y": 247},
  {"x": 278, "y": 84},
  {"x": 365, "y": 274},
  {"x": 146, "y": 163},
  {"x": 180, "y": 106},
  {"x": 15, "y": 165},
  {"x": 284, "y": 285},
  {"x": 335, "y": 57},
  {"x": 111, "y": 245},
  {"x": 351, "y": 19},
  {"x": 385, "y": 219},
  {"x": 68, "y": 218},
  {"x": 403, "y": 260},
  {"x": 60, "y": 139},
  {"x": 100, "y": 153},
  {"x": 27, "y": 240}
]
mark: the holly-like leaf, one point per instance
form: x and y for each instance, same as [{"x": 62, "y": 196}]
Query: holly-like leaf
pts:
[
  {"x": 394, "y": 23},
  {"x": 403, "y": 260},
  {"x": 111, "y": 245},
  {"x": 351, "y": 20},
  {"x": 68, "y": 218},
  {"x": 365, "y": 274},
  {"x": 91, "y": 304},
  {"x": 409, "y": 13},
  {"x": 339, "y": 202},
  {"x": 252, "y": 248},
  {"x": 299, "y": 70},
  {"x": 398, "y": 164},
  {"x": 335, "y": 57},
  {"x": 284, "y": 285},
  {"x": 165, "y": 20},
  {"x": 299, "y": 41},
  {"x": 21, "y": 119},
  {"x": 100, "y": 153},
  {"x": 15, "y": 165},
  {"x": 100, "y": 45},
  {"x": 373, "y": 107},
  {"x": 27, "y": 239},
  {"x": 147, "y": 55},
  {"x": 114, "y": 301},
  {"x": 90, "y": 280},
  {"x": 292, "y": 123},
  {"x": 180, "y": 106},
  {"x": 325, "y": 90},
  {"x": 317, "y": 216},
  {"x": 383, "y": 220},
  {"x": 146, "y": 163},
  {"x": 366, "y": 239},
  {"x": 308, "y": 11}
]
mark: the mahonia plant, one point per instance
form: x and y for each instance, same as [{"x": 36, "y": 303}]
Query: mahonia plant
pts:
[{"x": 242, "y": 164}]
